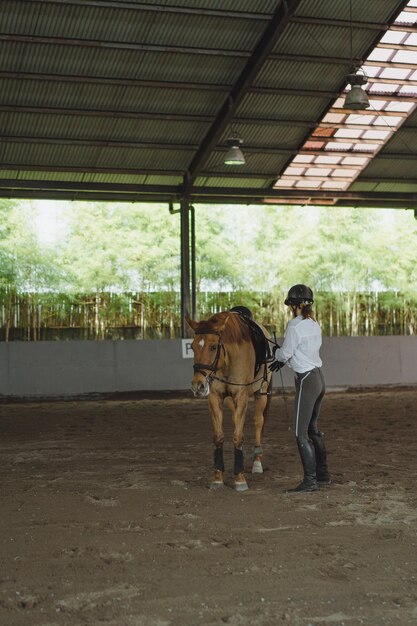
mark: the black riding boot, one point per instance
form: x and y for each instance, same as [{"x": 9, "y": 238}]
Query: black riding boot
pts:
[
  {"x": 308, "y": 459},
  {"x": 322, "y": 472}
]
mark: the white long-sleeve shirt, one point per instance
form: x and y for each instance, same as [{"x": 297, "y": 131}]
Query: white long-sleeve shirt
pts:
[{"x": 300, "y": 349}]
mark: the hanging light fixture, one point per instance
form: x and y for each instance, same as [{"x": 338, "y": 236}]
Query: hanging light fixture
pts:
[
  {"x": 234, "y": 155},
  {"x": 356, "y": 98}
]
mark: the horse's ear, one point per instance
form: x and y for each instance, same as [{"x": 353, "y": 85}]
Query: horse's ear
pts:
[{"x": 192, "y": 323}]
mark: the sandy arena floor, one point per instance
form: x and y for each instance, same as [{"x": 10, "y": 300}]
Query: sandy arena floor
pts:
[{"x": 107, "y": 519}]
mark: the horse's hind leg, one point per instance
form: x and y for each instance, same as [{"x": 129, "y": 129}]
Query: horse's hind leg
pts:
[{"x": 261, "y": 403}]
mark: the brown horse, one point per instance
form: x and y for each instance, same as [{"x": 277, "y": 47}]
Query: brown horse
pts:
[{"x": 224, "y": 371}]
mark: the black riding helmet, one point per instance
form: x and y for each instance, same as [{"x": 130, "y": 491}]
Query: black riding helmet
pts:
[
  {"x": 299, "y": 294},
  {"x": 242, "y": 310}
]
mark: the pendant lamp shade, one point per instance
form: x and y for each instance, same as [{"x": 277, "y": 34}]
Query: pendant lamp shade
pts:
[
  {"x": 234, "y": 155},
  {"x": 357, "y": 98}
]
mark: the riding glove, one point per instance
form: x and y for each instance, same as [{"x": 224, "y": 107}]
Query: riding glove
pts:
[{"x": 276, "y": 365}]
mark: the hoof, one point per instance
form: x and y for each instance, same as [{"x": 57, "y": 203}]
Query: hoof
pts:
[
  {"x": 241, "y": 486},
  {"x": 257, "y": 468},
  {"x": 216, "y": 484}
]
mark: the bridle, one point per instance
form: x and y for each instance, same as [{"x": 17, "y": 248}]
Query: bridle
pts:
[{"x": 213, "y": 367}]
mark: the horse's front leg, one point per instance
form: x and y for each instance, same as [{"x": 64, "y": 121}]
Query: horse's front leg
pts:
[
  {"x": 261, "y": 402},
  {"x": 240, "y": 402},
  {"x": 216, "y": 410}
]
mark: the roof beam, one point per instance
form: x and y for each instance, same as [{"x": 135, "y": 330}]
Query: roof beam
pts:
[
  {"x": 143, "y": 115},
  {"x": 68, "y": 169},
  {"x": 140, "y": 145},
  {"x": 131, "y": 197},
  {"x": 385, "y": 179},
  {"x": 120, "y": 45},
  {"x": 268, "y": 40},
  {"x": 241, "y": 194},
  {"x": 71, "y": 78},
  {"x": 123, "y": 82},
  {"x": 100, "y": 143},
  {"x": 171, "y": 117},
  {"x": 158, "y": 8},
  {"x": 320, "y": 21}
]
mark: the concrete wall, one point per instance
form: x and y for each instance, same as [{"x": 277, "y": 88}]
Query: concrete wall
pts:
[{"x": 74, "y": 368}]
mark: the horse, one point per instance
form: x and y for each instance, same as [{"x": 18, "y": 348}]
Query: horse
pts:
[{"x": 225, "y": 372}]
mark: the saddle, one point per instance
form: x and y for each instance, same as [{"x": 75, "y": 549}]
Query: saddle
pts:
[{"x": 260, "y": 343}]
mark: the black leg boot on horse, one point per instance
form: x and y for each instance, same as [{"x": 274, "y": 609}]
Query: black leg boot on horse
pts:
[
  {"x": 238, "y": 467},
  {"x": 322, "y": 472},
  {"x": 217, "y": 482},
  {"x": 308, "y": 459}
]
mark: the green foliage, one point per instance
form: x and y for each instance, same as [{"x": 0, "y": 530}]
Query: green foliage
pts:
[{"x": 120, "y": 264}]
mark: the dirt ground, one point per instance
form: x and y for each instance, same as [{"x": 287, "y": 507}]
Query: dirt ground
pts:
[{"x": 106, "y": 517}]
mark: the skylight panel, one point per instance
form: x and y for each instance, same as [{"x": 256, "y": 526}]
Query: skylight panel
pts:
[
  {"x": 343, "y": 173},
  {"x": 348, "y": 133},
  {"x": 384, "y": 88},
  {"x": 409, "y": 89},
  {"x": 337, "y": 185},
  {"x": 334, "y": 118},
  {"x": 359, "y": 161},
  {"x": 329, "y": 160},
  {"x": 388, "y": 120},
  {"x": 343, "y": 147},
  {"x": 372, "y": 70},
  {"x": 406, "y": 17},
  {"x": 357, "y": 118},
  {"x": 295, "y": 171},
  {"x": 395, "y": 72},
  {"x": 308, "y": 183},
  {"x": 318, "y": 171},
  {"x": 381, "y": 54},
  {"x": 377, "y": 105},
  {"x": 412, "y": 39},
  {"x": 377, "y": 134},
  {"x": 400, "y": 106},
  {"x": 345, "y": 141},
  {"x": 303, "y": 158},
  {"x": 405, "y": 56},
  {"x": 394, "y": 36}
]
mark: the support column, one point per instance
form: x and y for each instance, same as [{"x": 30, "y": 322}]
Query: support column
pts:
[
  {"x": 185, "y": 267},
  {"x": 193, "y": 271}
]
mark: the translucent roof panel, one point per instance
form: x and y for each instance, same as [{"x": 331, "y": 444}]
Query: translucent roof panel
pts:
[{"x": 324, "y": 161}]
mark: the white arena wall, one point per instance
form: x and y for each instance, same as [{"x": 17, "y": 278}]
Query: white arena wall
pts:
[{"x": 48, "y": 369}]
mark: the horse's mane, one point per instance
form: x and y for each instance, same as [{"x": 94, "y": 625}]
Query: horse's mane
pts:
[{"x": 235, "y": 331}]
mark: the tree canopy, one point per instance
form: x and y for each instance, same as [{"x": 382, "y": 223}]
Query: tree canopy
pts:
[{"x": 119, "y": 248}]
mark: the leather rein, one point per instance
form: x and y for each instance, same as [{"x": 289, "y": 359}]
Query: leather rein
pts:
[{"x": 213, "y": 367}]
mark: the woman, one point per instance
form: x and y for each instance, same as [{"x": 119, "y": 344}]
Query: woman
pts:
[{"x": 300, "y": 351}]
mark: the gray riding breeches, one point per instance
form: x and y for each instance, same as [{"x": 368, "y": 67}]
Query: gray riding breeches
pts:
[{"x": 309, "y": 392}]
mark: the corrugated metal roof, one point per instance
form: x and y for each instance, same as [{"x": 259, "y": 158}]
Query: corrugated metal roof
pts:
[
  {"x": 147, "y": 94},
  {"x": 368, "y": 11},
  {"x": 284, "y": 107},
  {"x": 320, "y": 39},
  {"x": 300, "y": 75}
]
